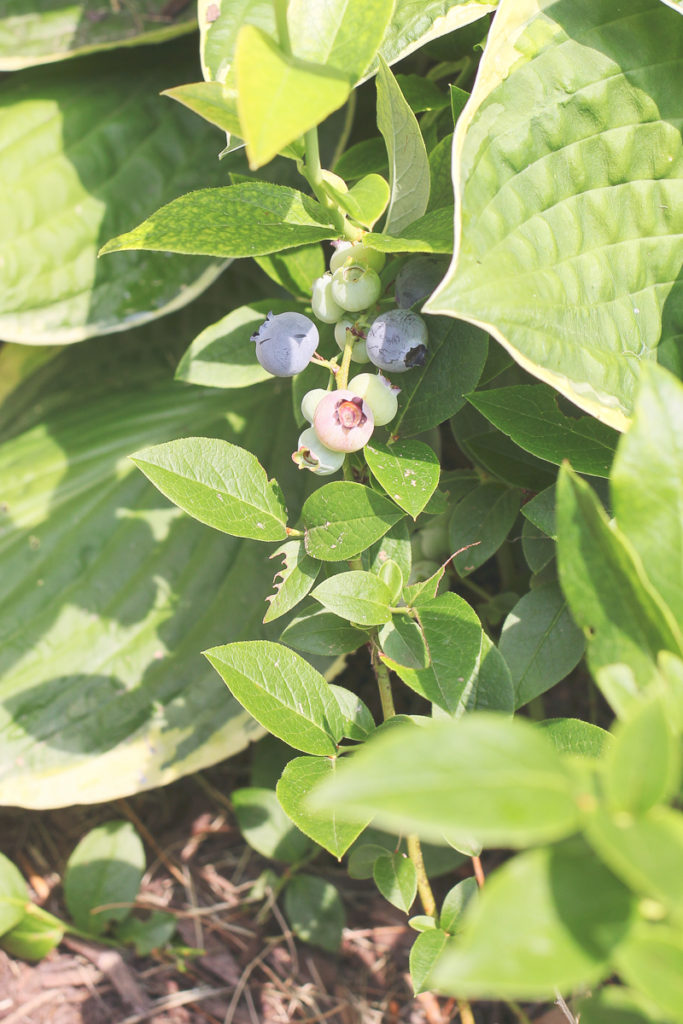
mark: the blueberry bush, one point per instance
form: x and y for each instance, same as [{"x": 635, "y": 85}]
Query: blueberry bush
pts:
[{"x": 478, "y": 208}]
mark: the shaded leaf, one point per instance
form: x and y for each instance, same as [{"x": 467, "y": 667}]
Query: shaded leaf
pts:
[
  {"x": 300, "y": 777},
  {"x": 105, "y": 868},
  {"x": 315, "y": 911},
  {"x": 266, "y": 827}
]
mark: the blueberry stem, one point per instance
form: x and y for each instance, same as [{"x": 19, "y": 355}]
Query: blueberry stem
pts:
[{"x": 343, "y": 375}]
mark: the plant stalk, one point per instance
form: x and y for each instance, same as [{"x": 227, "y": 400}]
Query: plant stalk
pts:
[
  {"x": 383, "y": 681},
  {"x": 282, "y": 26},
  {"x": 313, "y": 173},
  {"x": 343, "y": 374},
  {"x": 423, "y": 886}
]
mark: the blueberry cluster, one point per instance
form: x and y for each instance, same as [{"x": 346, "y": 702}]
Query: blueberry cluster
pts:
[{"x": 394, "y": 340}]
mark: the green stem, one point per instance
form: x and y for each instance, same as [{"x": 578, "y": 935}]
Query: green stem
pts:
[
  {"x": 313, "y": 173},
  {"x": 343, "y": 375},
  {"x": 282, "y": 26},
  {"x": 423, "y": 886},
  {"x": 519, "y": 1013},
  {"x": 383, "y": 681}
]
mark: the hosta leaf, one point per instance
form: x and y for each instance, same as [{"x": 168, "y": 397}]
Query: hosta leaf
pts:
[
  {"x": 282, "y": 691},
  {"x": 120, "y": 588},
  {"x": 67, "y": 189},
  {"x": 567, "y": 168},
  {"x": 249, "y": 219},
  {"x": 40, "y": 31}
]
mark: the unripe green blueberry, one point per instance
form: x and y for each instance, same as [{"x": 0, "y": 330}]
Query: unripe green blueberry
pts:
[
  {"x": 312, "y": 454},
  {"x": 379, "y": 393},
  {"x": 358, "y": 328},
  {"x": 285, "y": 343},
  {"x": 309, "y": 403},
  {"x": 355, "y": 287},
  {"x": 397, "y": 341},
  {"x": 356, "y": 252},
  {"x": 343, "y": 421},
  {"x": 322, "y": 303}
]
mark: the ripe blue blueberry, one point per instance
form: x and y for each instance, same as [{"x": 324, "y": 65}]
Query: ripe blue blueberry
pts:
[
  {"x": 397, "y": 341},
  {"x": 285, "y": 343},
  {"x": 417, "y": 278}
]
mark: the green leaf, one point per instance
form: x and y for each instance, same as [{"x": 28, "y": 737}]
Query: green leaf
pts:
[
  {"x": 614, "y": 1004},
  {"x": 432, "y": 232},
  {"x": 456, "y": 902},
  {"x": 293, "y": 581},
  {"x": 421, "y": 93},
  {"x": 453, "y": 638},
  {"x": 222, "y": 356},
  {"x": 540, "y": 642},
  {"x": 300, "y": 777},
  {"x": 367, "y": 200},
  {"x": 552, "y": 155},
  {"x": 155, "y": 932},
  {"x": 645, "y": 852},
  {"x": 456, "y": 354},
  {"x": 539, "y": 550},
  {"x": 573, "y": 736},
  {"x": 342, "y": 519},
  {"x": 643, "y": 767},
  {"x": 402, "y": 643},
  {"x": 357, "y": 596},
  {"x": 280, "y": 97},
  {"x": 531, "y": 416},
  {"x": 414, "y": 25},
  {"x": 480, "y": 523},
  {"x": 316, "y": 631},
  {"x": 67, "y": 189},
  {"x": 608, "y": 593},
  {"x": 499, "y": 456},
  {"x": 13, "y": 895},
  {"x": 490, "y": 686},
  {"x": 541, "y": 512},
  {"x": 266, "y": 827},
  {"x": 647, "y": 484},
  {"x": 407, "y": 470},
  {"x": 341, "y": 34},
  {"x": 483, "y": 774},
  {"x": 408, "y": 161},
  {"x": 41, "y": 31},
  {"x": 282, "y": 692},
  {"x": 440, "y": 182},
  {"x": 35, "y": 935},
  {"x": 315, "y": 911},
  {"x": 651, "y": 960},
  {"x": 249, "y": 219},
  {"x": 358, "y": 722},
  {"x": 215, "y": 102},
  {"x": 366, "y": 157},
  {"x": 575, "y": 915},
  {"x": 361, "y": 861},
  {"x": 105, "y": 868},
  {"x": 295, "y": 269},
  {"x": 396, "y": 878},
  {"x": 424, "y": 953},
  {"x": 393, "y": 546},
  {"x": 219, "y": 484}
]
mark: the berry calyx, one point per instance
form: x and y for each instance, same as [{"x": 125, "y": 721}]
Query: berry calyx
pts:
[
  {"x": 285, "y": 343},
  {"x": 379, "y": 393},
  {"x": 355, "y": 287},
  {"x": 322, "y": 302},
  {"x": 313, "y": 455},
  {"x": 343, "y": 421},
  {"x": 397, "y": 341}
]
